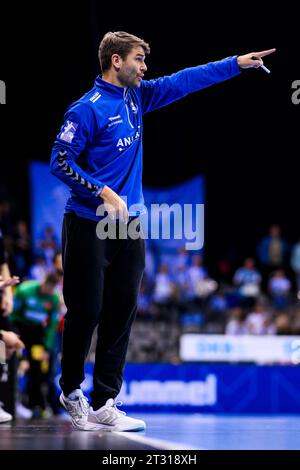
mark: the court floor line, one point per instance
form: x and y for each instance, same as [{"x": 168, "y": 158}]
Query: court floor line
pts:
[{"x": 156, "y": 443}]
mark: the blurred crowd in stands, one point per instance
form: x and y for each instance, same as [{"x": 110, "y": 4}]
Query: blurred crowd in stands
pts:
[
  {"x": 178, "y": 294},
  {"x": 258, "y": 297}
]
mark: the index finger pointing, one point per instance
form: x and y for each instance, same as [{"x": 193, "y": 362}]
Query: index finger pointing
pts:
[{"x": 264, "y": 53}]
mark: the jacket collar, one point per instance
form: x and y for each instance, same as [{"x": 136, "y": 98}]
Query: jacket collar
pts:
[{"x": 117, "y": 90}]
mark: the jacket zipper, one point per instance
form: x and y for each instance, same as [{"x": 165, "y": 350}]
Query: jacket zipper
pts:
[{"x": 127, "y": 110}]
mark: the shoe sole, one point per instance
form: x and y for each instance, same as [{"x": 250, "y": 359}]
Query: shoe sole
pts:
[
  {"x": 109, "y": 428},
  {"x": 6, "y": 420},
  {"x": 116, "y": 429},
  {"x": 136, "y": 429}
]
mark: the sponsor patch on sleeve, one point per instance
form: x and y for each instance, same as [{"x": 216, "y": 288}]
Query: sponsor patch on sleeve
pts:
[{"x": 69, "y": 131}]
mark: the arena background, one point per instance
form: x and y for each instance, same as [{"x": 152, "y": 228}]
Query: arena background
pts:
[{"x": 241, "y": 135}]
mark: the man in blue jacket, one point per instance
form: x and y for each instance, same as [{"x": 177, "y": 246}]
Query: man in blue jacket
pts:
[{"x": 98, "y": 154}]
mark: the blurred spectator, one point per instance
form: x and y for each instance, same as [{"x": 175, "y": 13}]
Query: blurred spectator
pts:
[
  {"x": 248, "y": 280},
  {"x": 296, "y": 322},
  {"x": 11, "y": 340},
  {"x": 57, "y": 266},
  {"x": 218, "y": 305},
  {"x": 205, "y": 288},
  {"x": 295, "y": 263},
  {"x": 22, "y": 249},
  {"x": 48, "y": 245},
  {"x": 150, "y": 267},
  {"x": 283, "y": 325},
  {"x": 258, "y": 322},
  {"x": 184, "y": 291},
  {"x": 191, "y": 322},
  {"x": 144, "y": 302},
  {"x": 273, "y": 250},
  {"x": 38, "y": 270},
  {"x": 236, "y": 323},
  {"x": 197, "y": 272},
  {"x": 279, "y": 288},
  {"x": 181, "y": 260},
  {"x": 57, "y": 269},
  {"x": 164, "y": 289},
  {"x": 12, "y": 343},
  {"x": 174, "y": 258},
  {"x": 36, "y": 317},
  {"x": 6, "y": 284}
]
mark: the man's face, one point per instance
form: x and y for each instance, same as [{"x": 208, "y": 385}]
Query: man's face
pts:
[{"x": 132, "y": 69}]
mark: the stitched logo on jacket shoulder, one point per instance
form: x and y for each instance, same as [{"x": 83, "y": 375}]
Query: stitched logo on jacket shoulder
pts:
[
  {"x": 69, "y": 131},
  {"x": 95, "y": 97}
]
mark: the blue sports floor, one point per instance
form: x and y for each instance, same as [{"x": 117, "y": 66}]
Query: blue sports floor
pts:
[
  {"x": 164, "y": 432},
  {"x": 215, "y": 432}
]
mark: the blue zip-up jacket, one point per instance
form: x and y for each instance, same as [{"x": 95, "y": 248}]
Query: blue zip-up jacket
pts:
[{"x": 100, "y": 142}]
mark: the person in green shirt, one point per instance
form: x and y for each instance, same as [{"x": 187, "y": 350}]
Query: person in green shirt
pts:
[{"x": 36, "y": 316}]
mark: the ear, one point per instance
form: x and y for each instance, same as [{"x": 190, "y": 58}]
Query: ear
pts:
[{"x": 116, "y": 61}]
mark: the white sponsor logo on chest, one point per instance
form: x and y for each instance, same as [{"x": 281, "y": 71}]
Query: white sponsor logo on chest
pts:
[{"x": 126, "y": 141}]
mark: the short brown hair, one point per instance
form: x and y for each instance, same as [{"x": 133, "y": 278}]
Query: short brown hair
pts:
[
  {"x": 121, "y": 43},
  {"x": 52, "y": 279}
]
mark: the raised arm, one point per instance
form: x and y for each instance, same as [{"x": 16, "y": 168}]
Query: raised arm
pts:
[{"x": 162, "y": 91}]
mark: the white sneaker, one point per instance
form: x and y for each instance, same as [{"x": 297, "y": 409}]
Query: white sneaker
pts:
[
  {"x": 22, "y": 411},
  {"x": 77, "y": 406},
  {"x": 4, "y": 416},
  {"x": 112, "y": 419}
]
